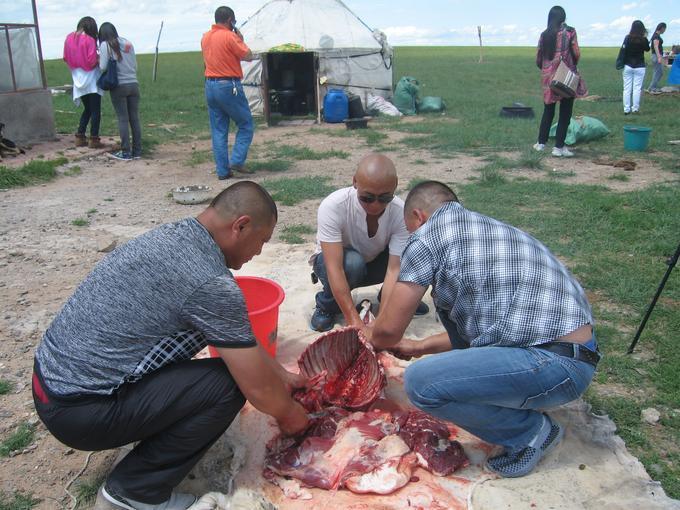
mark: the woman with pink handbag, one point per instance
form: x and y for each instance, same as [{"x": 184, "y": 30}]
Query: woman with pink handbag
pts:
[{"x": 557, "y": 45}]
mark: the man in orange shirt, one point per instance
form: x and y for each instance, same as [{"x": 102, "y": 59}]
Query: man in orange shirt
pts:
[{"x": 223, "y": 49}]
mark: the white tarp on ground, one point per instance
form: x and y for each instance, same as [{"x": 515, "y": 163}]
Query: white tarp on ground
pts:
[
  {"x": 590, "y": 470},
  {"x": 351, "y": 55}
]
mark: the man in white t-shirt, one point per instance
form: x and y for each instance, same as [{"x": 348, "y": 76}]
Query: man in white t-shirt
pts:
[{"x": 361, "y": 234}]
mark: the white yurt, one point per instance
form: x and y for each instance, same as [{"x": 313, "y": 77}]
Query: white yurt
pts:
[{"x": 307, "y": 47}]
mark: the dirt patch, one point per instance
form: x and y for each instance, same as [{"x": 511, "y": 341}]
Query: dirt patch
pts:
[
  {"x": 619, "y": 390},
  {"x": 598, "y": 300},
  {"x": 645, "y": 174},
  {"x": 44, "y": 255}
]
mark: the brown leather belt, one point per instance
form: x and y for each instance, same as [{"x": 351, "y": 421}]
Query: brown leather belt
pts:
[{"x": 571, "y": 350}]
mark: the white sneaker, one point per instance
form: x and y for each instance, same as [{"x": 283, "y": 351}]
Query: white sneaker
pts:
[
  {"x": 538, "y": 147},
  {"x": 562, "y": 152},
  {"x": 177, "y": 501}
]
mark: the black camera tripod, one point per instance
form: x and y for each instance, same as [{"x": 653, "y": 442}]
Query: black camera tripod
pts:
[{"x": 672, "y": 261}]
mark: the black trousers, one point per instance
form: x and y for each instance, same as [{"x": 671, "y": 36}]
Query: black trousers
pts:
[
  {"x": 92, "y": 104},
  {"x": 176, "y": 414},
  {"x": 566, "y": 108}
]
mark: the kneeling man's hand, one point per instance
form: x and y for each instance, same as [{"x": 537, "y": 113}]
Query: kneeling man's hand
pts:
[
  {"x": 407, "y": 349},
  {"x": 295, "y": 422},
  {"x": 367, "y": 330},
  {"x": 294, "y": 381}
]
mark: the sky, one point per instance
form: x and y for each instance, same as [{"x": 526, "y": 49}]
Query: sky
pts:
[{"x": 432, "y": 23}]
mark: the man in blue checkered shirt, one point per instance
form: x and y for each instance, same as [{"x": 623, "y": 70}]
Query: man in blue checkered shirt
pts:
[{"x": 519, "y": 336}]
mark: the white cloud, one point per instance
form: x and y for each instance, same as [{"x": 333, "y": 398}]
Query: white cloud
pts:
[
  {"x": 185, "y": 22},
  {"x": 137, "y": 20},
  {"x": 406, "y": 32},
  {"x": 619, "y": 25},
  {"x": 465, "y": 30},
  {"x": 611, "y": 33},
  {"x": 624, "y": 22}
]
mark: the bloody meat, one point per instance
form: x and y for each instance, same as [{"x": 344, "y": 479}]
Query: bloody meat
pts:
[{"x": 366, "y": 451}]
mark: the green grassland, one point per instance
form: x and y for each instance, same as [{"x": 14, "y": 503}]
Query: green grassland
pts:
[
  {"x": 615, "y": 243},
  {"x": 174, "y": 107},
  {"x": 474, "y": 94}
]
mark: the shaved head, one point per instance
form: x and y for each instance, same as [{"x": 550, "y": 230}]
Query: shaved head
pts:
[
  {"x": 428, "y": 196},
  {"x": 376, "y": 170},
  {"x": 246, "y": 198}
]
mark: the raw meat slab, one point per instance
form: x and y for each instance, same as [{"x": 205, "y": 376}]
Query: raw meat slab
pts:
[{"x": 429, "y": 492}]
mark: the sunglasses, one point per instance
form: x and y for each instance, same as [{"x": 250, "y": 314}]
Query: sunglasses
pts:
[{"x": 369, "y": 198}]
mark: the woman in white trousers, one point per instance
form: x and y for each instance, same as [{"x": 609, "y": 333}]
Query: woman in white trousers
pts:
[{"x": 634, "y": 46}]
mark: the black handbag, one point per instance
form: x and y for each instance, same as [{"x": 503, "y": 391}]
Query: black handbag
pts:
[
  {"x": 621, "y": 58},
  {"x": 109, "y": 78}
]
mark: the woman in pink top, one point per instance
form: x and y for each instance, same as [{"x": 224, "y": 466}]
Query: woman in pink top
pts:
[
  {"x": 80, "y": 54},
  {"x": 557, "y": 43}
]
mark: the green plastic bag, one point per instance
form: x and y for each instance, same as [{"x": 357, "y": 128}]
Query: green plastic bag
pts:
[
  {"x": 582, "y": 129},
  {"x": 406, "y": 95},
  {"x": 430, "y": 104}
]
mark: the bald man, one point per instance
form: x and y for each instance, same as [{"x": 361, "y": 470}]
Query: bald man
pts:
[
  {"x": 519, "y": 331},
  {"x": 115, "y": 366},
  {"x": 360, "y": 237}
]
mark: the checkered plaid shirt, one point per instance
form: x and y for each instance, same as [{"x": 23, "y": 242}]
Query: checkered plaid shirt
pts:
[{"x": 499, "y": 285}]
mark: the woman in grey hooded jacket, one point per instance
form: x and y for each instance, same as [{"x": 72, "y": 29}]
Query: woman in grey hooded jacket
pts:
[{"x": 124, "y": 97}]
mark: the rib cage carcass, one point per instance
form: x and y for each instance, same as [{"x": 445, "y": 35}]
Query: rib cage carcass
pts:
[{"x": 344, "y": 371}]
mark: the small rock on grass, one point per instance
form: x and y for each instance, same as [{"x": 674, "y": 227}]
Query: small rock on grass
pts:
[{"x": 651, "y": 416}]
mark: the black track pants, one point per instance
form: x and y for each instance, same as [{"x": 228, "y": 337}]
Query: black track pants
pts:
[{"x": 176, "y": 414}]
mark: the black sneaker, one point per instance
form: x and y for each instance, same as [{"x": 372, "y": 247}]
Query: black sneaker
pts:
[
  {"x": 516, "y": 463},
  {"x": 422, "y": 309},
  {"x": 321, "y": 320},
  {"x": 121, "y": 156}
]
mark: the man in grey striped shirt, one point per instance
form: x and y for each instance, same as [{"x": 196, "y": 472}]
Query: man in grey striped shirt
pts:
[{"x": 115, "y": 366}]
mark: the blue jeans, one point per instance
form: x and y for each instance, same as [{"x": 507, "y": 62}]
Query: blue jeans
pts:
[
  {"x": 658, "y": 72},
  {"x": 496, "y": 393},
  {"x": 223, "y": 106},
  {"x": 358, "y": 272}
]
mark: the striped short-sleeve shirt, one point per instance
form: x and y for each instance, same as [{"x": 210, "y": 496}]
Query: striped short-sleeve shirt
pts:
[{"x": 155, "y": 300}]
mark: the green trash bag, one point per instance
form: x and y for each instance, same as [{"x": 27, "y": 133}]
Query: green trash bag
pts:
[
  {"x": 582, "y": 129},
  {"x": 430, "y": 104},
  {"x": 406, "y": 95}
]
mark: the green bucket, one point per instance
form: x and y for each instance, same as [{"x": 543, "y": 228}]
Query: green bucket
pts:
[{"x": 636, "y": 138}]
